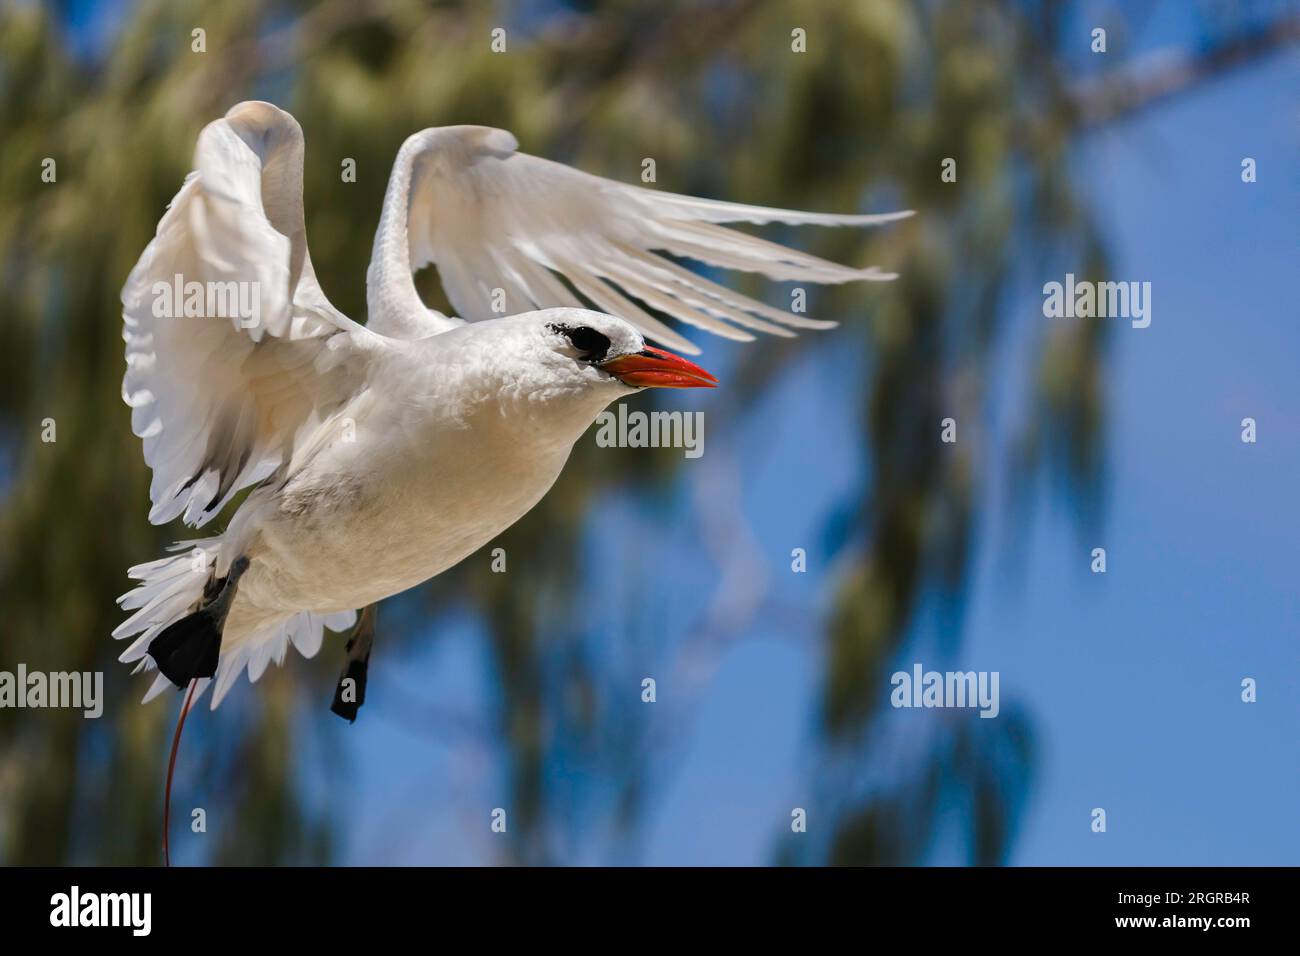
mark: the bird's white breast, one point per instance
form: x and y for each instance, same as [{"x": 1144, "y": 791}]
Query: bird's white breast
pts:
[{"x": 420, "y": 485}]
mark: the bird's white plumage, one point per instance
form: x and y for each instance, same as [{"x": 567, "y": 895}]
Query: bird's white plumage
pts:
[
  {"x": 380, "y": 455},
  {"x": 221, "y": 403},
  {"x": 492, "y": 218}
]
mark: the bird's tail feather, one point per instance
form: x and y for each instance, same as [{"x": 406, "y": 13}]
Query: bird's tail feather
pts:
[
  {"x": 271, "y": 642},
  {"x": 170, "y": 589},
  {"x": 165, "y": 601},
  {"x": 188, "y": 649}
]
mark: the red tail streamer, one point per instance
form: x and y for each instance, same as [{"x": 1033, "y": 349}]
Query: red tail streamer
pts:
[{"x": 171, "y": 768}]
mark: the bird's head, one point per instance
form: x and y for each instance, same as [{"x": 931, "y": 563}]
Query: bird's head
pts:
[
  {"x": 549, "y": 373},
  {"x": 582, "y": 359},
  {"x": 602, "y": 351}
]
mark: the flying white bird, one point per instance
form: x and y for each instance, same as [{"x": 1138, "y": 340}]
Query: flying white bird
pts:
[{"x": 381, "y": 455}]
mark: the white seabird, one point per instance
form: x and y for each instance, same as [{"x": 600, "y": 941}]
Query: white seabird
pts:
[{"x": 381, "y": 455}]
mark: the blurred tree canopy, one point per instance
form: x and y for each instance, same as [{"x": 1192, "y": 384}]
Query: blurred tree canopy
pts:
[{"x": 886, "y": 90}]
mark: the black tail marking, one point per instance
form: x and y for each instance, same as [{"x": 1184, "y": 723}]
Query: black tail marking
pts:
[
  {"x": 356, "y": 672},
  {"x": 358, "y": 666},
  {"x": 189, "y": 648}
]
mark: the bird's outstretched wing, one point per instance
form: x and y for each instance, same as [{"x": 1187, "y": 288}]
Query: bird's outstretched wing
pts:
[
  {"x": 501, "y": 223},
  {"x": 233, "y": 351}
]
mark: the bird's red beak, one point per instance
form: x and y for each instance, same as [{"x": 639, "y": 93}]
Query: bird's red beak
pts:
[{"x": 655, "y": 368}]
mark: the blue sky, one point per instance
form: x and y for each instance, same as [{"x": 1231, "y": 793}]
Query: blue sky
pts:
[{"x": 1133, "y": 679}]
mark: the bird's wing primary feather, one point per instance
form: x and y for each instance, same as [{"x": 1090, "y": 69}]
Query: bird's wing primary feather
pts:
[
  {"x": 492, "y": 218},
  {"x": 221, "y": 400}
]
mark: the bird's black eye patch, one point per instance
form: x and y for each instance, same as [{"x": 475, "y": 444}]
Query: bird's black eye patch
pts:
[{"x": 593, "y": 345}]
